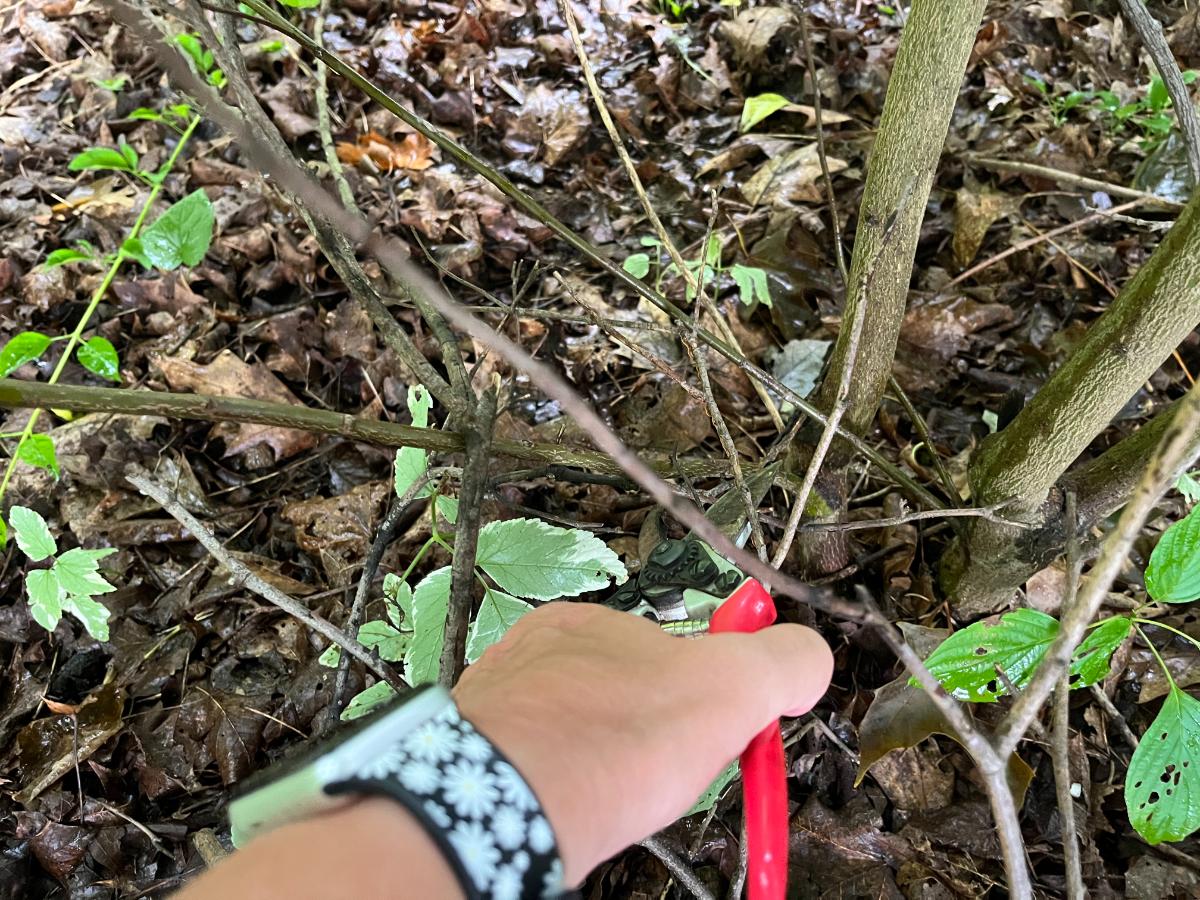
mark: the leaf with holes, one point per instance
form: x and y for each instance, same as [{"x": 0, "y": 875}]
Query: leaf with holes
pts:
[
  {"x": 966, "y": 663},
  {"x": 1091, "y": 659},
  {"x": 430, "y": 604},
  {"x": 1162, "y": 787},
  {"x": 24, "y": 347},
  {"x": 411, "y": 462},
  {"x": 1173, "y": 575},
  {"x": 498, "y": 613},
  {"x": 528, "y": 558},
  {"x": 33, "y": 534},
  {"x": 99, "y": 357}
]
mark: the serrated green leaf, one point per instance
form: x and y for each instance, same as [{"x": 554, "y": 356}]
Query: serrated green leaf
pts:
[
  {"x": 366, "y": 701},
  {"x": 447, "y": 508},
  {"x": 101, "y": 158},
  {"x": 99, "y": 356},
  {"x": 1173, "y": 575},
  {"x": 65, "y": 256},
  {"x": 92, "y": 613},
  {"x": 181, "y": 235},
  {"x": 755, "y": 109},
  {"x": 498, "y": 613},
  {"x": 752, "y": 284},
  {"x": 637, "y": 264},
  {"x": 966, "y": 662},
  {"x": 390, "y": 642},
  {"x": 24, "y": 347},
  {"x": 1162, "y": 786},
  {"x": 528, "y": 558},
  {"x": 1091, "y": 659},
  {"x": 713, "y": 792},
  {"x": 411, "y": 462},
  {"x": 430, "y": 604},
  {"x": 78, "y": 573},
  {"x": 32, "y": 533},
  {"x": 45, "y": 598},
  {"x": 1189, "y": 487},
  {"x": 397, "y": 598},
  {"x": 38, "y": 451}
]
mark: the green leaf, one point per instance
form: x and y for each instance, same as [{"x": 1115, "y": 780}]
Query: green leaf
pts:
[
  {"x": 3, "y": 534},
  {"x": 102, "y": 158},
  {"x": 752, "y": 284},
  {"x": 1156, "y": 95},
  {"x": 91, "y": 613},
  {"x": 411, "y": 462},
  {"x": 38, "y": 451},
  {"x": 758, "y": 108},
  {"x": 714, "y": 790},
  {"x": 274, "y": 46},
  {"x": 366, "y": 701},
  {"x": 182, "y": 234},
  {"x": 190, "y": 44},
  {"x": 145, "y": 114},
  {"x": 397, "y": 597},
  {"x": 133, "y": 247},
  {"x": 330, "y": 657},
  {"x": 24, "y": 347},
  {"x": 498, "y": 613},
  {"x": 181, "y": 111},
  {"x": 64, "y": 256},
  {"x": 45, "y": 597},
  {"x": 637, "y": 264},
  {"x": 100, "y": 357},
  {"x": 430, "y": 603},
  {"x": 32, "y": 533},
  {"x": 1091, "y": 659},
  {"x": 528, "y": 558},
  {"x": 1189, "y": 487},
  {"x": 1173, "y": 575},
  {"x": 110, "y": 84},
  {"x": 1162, "y": 787},
  {"x": 966, "y": 662},
  {"x": 301, "y": 4},
  {"x": 76, "y": 571},
  {"x": 390, "y": 642},
  {"x": 447, "y": 508}
]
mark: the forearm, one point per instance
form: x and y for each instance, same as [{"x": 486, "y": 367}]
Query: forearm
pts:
[{"x": 372, "y": 849}]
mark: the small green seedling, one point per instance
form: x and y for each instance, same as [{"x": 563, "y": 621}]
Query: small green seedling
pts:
[
  {"x": 986, "y": 661},
  {"x": 516, "y": 561},
  {"x": 751, "y": 281}
]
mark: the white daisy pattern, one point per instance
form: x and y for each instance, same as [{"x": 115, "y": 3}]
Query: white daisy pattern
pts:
[{"x": 477, "y": 806}]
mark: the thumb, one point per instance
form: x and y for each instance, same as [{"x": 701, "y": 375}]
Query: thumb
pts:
[{"x": 797, "y": 666}]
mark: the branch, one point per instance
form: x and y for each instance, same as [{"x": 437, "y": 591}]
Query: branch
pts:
[
  {"x": 1174, "y": 453},
  {"x": 1070, "y": 178},
  {"x": 677, "y": 867},
  {"x": 1151, "y": 33},
  {"x": 160, "y": 494}
]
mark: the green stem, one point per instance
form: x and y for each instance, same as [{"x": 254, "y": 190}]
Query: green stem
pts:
[
  {"x": 1154, "y": 650},
  {"x": 1187, "y": 637},
  {"x": 97, "y": 296}
]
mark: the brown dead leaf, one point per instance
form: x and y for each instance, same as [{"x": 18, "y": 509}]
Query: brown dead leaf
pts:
[
  {"x": 752, "y": 32},
  {"x": 229, "y": 376},
  {"x": 844, "y": 853},
  {"x": 49, "y": 748},
  {"x": 942, "y": 329},
  {"x": 103, "y": 198},
  {"x": 976, "y": 208},
  {"x": 415, "y": 152},
  {"x": 554, "y": 120},
  {"x": 348, "y": 332},
  {"x": 789, "y": 177},
  {"x": 338, "y": 530},
  {"x": 51, "y": 38},
  {"x": 47, "y": 288},
  {"x": 914, "y": 780}
]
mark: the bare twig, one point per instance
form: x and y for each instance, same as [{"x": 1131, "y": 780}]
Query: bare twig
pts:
[
  {"x": 1070, "y": 178},
  {"x": 164, "y": 497},
  {"x": 680, "y": 870},
  {"x": 1114, "y": 714},
  {"x": 324, "y": 130},
  {"x": 466, "y": 537},
  {"x": 919, "y": 423},
  {"x": 978, "y": 512},
  {"x": 1151, "y": 33},
  {"x": 1172, "y": 455}
]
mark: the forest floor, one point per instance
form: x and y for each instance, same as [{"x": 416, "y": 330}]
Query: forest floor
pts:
[{"x": 201, "y": 683}]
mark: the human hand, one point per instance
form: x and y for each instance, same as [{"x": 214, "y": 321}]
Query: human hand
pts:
[{"x": 619, "y": 727}]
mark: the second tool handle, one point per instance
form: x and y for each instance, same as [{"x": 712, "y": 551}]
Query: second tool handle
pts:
[{"x": 764, "y": 775}]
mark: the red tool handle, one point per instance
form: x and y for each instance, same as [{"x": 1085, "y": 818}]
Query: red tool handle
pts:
[{"x": 764, "y": 775}]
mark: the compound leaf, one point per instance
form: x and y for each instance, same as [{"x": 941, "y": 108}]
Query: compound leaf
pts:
[
  {"x": 430, "y": 604},
  {"x": 1173, "y": 575},
  {"x": 45, "y": 597},
  {"x": 76, "y": 571},
  {"x": 528, "y": 558},
  {"x": 181, "y": 235},
  {"x": 32, "y": 533},
  {"x": 498, "y": 613},
  {"x": 99, "y": 356},
  {"x": 966, "y": 662},
  {"x": 390, "y": 642},
  {"x": 24, "y": 347},
  {"x": 1162, "y": 787}
]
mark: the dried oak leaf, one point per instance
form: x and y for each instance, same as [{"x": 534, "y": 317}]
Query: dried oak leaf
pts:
[
  {"x": 338, "y": 530},
  {"x": 789, "y": 177},
  {"x": 415, "y": 152},
  {"x": 554, "y": 120},
  {"x": 976, "y": 208},
  {"x": 229, "y": 376}
]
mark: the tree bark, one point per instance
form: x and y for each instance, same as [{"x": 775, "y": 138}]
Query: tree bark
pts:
[{"x": 1157, "y": 309}]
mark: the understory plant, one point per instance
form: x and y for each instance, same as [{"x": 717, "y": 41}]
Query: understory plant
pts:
[
  {"x": 989, "y": 660},
  {"x": 517, "y": 560},
  {"x": 751, "y": 281}
]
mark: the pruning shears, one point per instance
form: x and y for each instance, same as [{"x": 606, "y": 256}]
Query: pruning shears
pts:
[{"x": 690, "y": 589}]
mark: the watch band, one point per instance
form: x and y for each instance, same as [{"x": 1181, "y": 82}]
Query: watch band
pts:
[{"x": 472, "y": 802}]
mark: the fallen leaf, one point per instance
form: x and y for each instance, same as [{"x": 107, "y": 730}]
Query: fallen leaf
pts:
[
  {"x": 104, "y": 198},
  {"x": 554, "y": 120},
  {"x": 914, "y": 780},
  {"x": 976, "y": 208},
  {"x": 338, "y": 530},
  {"x": 415, "y": 152},
  {"x": 48, "y": 748},
  {"x": 752, "y": 32},
  {"x": 1151, "y": 878},
  {"x": 844, "y": 853},
  {"x": 942, "y": 329},
  {"x": 789, "y": 177},
  {"x": 229, "y": 376}
]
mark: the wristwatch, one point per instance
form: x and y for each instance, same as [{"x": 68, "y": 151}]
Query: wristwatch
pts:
[{"x": 419, "y": 751}]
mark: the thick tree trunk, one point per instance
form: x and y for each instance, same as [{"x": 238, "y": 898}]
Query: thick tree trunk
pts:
[
  {"x": 1023, "y": 463},
  {"x": 921, "y": 94}
]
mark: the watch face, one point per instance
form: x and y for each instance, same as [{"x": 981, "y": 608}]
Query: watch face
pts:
[{"x": 295, "y": 787}]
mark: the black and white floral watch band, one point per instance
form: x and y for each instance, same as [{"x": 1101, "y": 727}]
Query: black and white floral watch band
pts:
[{"x": 474, "y": 804}]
